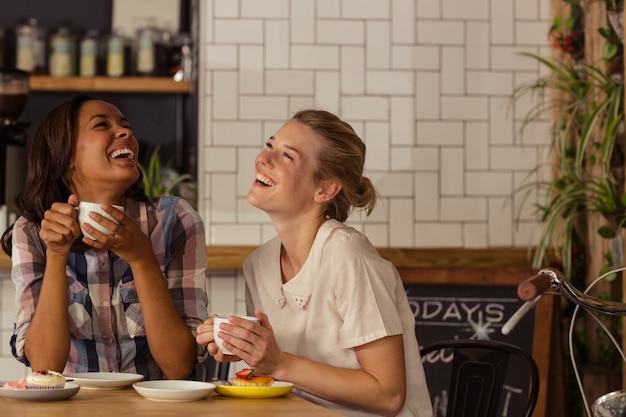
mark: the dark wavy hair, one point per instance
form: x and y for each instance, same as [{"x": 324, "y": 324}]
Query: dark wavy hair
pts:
[
  {"x": 341, "y": 157},
  {"x": 49, "y": 152}
]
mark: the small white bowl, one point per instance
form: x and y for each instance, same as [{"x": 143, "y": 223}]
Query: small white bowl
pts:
[{"x": 174, "y": 390}]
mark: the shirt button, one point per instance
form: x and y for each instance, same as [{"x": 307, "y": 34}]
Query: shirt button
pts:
[
  {"x": 108, "y": 341},
  {"x": 106, "y": 304}
]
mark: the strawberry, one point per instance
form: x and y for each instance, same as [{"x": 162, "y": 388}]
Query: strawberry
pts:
[{"x": 247, "y": 373}]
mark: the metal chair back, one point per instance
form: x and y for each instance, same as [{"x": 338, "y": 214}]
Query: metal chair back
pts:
[{"x": 477, "y": 376}]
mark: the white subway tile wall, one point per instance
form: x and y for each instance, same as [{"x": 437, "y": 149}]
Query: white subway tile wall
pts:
[{"x": 425, "y": 83}]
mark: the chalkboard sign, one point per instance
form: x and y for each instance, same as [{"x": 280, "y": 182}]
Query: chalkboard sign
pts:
[{"x": 477, "y": 308}]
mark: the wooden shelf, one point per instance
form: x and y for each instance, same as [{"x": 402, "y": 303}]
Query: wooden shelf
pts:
[
  {"x": 232, "y": 257},
  {"x": 107, "y": 84}
]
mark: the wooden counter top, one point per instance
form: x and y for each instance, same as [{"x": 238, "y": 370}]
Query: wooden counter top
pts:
[
  {"x": 91, "y": 403},
  {"x": 232, "y": 257}
]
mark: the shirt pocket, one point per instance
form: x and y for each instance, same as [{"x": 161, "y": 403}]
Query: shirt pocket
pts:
[
  {"x": 79, "y": 307},
  {"x": 134, "y": 318}
]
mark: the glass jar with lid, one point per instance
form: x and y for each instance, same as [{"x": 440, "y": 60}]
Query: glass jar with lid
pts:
[
  {"x": 62, "y": 61},
  {"x": 151, "y": 51},
  {"x": 90, "y": 55},
  {"x": 118, "y": 54},
  {"x": 30, "y": 43}
]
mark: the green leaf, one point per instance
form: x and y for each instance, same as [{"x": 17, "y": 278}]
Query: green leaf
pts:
[
  {"x": 610, "y": 50},
  {"x": 605, "y": 31},
  {"x": 606, "y": 232},
  {"x": 610, "y": 277}
]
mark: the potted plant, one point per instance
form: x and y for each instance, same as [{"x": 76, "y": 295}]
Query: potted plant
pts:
[{"x": 159, "y": 180}]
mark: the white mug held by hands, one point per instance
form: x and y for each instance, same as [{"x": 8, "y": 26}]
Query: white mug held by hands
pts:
[
  {"x": 85, "y": 207},
  {"x": 217, "y": 320}
]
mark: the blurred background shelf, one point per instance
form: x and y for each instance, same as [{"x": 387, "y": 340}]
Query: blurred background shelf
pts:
[{"x": 107, "y": 84}]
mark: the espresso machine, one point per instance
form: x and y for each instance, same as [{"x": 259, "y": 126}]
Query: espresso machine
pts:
[{"x": 14, "y": 91}]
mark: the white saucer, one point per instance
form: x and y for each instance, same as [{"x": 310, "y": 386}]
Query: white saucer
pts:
[
  {"x": 40, "y": 394},
  {"x": 104, "y": 380},
  {"x": 174, "y": 390}
]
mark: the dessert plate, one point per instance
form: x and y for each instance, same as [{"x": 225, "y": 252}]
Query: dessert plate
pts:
[
  {"x": 277, "y": 389},
  {"x": 31, "y": 394},
  {"x": 173, "y": 390},
  {"x": 104, "y": 380}
]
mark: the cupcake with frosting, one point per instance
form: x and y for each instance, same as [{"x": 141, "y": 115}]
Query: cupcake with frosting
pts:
[{"x": 45, "y": 380}]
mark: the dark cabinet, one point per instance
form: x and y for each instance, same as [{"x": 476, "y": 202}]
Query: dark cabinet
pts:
[{"x": 161, "y": 110}]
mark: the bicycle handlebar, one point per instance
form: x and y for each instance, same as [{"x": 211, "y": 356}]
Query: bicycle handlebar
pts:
[
  {"x": 546, "y": 278},
  {"x": 534, "y": 286}
]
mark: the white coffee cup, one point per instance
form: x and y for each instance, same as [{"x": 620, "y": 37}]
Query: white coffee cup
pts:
[
  {"x": 85, "y": 207},
  {"x": 217, "y": 320}
]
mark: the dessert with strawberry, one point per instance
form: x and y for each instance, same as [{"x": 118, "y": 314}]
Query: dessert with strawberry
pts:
[
  {"x": 38, "y": 380},
  {"x": 45, "y": 380},
  {"x": 249, "y": 378}
]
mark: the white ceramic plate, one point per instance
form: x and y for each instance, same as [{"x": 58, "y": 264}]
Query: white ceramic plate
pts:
[
  {"x": 104, "y": 380},
  {"x": 40, "y": 394},
  {"x": 174, "y": 390},
  {"x": 277, "y": 389}
]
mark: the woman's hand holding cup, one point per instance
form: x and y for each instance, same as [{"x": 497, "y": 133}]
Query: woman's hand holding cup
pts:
[{"x": 217, "y": 321}]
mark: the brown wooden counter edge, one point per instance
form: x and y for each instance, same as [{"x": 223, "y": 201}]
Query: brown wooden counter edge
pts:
[{"x": 232, "y": 257}]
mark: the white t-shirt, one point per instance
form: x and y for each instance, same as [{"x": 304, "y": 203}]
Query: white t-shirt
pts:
[{"x": 345, "y": 295}]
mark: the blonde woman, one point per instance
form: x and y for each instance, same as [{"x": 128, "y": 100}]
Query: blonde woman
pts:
[{"x": 334, "y": 317}]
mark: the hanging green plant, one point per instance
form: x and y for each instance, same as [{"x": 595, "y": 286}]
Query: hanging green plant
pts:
[{"x": 588, "y": 108}]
